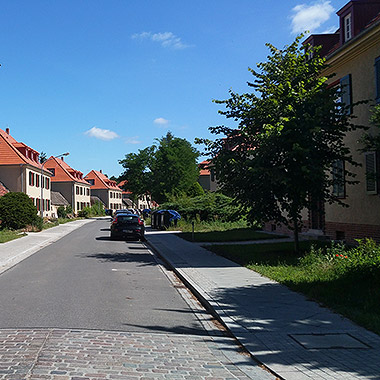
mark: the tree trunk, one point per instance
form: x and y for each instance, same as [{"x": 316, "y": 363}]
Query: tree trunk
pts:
[{"x": 296, "y": 236}]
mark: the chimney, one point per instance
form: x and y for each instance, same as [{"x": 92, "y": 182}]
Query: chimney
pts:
[
  {"x": 101, "y": 171},
  {"x": 7, "y": 131}
]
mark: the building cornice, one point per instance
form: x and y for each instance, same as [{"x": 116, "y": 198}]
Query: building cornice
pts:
[{"x": 349, "y": 51}]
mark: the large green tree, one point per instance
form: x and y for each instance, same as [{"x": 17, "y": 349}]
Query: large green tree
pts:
[
  {"x": 137, "y": 171},
  {"x": 165, "y": 169},
  {"x": 291, "y": 129}
]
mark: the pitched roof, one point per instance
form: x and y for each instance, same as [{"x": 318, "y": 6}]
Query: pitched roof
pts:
[
  {"x": 101, "y": 181},
  {"x": 58, "y": 199},
  {"x": 3, "y": 189},
  {"x": 122, "y": 185},
  {"x": 203, "y": 168},
  {"x": 63, "y": 172},
  {"x": 13, "y": 152}
]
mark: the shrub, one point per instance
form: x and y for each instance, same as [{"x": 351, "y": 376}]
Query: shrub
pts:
[
  {"x": 208, "y": 207},
  {"x": 195, "y": 190},
  {"x": 17, "y": 211},
  {"x": 85, "y": 212},
  {"x": 61, "y": 211}
]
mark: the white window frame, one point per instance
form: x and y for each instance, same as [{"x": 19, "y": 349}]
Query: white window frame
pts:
[{"x": 347, "y": 22}]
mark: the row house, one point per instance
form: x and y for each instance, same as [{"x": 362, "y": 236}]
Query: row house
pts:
[
  {"x": 207, "y": 177},
  {"x": 143, "y": 201},
  {"x": 105, "y": 189},
  {"x": 21, "y": 171},
  {"x": 70, "y": 183},
  {"x": 353, "y": 55}
]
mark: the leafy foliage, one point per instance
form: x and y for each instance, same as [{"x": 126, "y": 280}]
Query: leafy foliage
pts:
[
  {"x": 166, "y": 169},
  {"x": 63, "y": 211},
  {"x": 96, "y": 209},
  {"x": 208, "y": 207},
  {"x": 291, "y": 130},
  {"x": 17, "y": 211},
  {"x": 372, "y": 141},
  {"x": 195, "y": 190}
]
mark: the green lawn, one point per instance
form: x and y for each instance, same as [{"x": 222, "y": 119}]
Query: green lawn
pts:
[
  {"x": 347, "y": 281},
  {"x": 237, "y": 234},
  {"x": 8, "y": 235}
]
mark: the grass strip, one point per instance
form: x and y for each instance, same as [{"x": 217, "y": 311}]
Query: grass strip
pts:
[
  {"x": 8, "y": 235},
  {"x": 237, "y": 234}
]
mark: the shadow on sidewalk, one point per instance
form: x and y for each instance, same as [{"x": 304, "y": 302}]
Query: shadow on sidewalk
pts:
[{"x": 273, "y": 317}]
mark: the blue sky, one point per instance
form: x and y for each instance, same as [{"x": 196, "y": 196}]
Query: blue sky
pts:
[{"x": 101, "y": 79}]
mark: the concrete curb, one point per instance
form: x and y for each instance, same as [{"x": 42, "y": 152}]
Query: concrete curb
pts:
[{"x": 206, "y": 300}]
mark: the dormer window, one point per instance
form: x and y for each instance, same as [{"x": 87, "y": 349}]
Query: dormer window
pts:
[{"x": 347, "y": 23}]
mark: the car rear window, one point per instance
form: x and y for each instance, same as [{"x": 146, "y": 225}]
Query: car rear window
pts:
[{"x": 127, "y": 218}]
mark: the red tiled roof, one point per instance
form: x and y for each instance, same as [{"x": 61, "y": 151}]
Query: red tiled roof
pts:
[
  {"x": 63, "y": 172},
  {"x": 203, "y": 166},
  {"x": 13, "y": 152},
  {"x": 101, "y": 181},
  {"x": 3, "y": 189},
  {"x": 122, "y": 184}
]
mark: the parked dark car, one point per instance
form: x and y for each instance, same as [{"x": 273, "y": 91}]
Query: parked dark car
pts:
[{"x": 127, "y": 226}]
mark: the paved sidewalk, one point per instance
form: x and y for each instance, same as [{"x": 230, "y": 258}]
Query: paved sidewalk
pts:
[
  {"x": 17, "y": 250},
  {"x": 293, "y": 337}
]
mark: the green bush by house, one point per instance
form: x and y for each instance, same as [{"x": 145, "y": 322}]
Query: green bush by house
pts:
[{"x": 17, "y": 211}]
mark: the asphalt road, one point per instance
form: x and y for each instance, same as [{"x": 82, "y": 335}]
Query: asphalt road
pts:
[{"x": 86, "y": 281}]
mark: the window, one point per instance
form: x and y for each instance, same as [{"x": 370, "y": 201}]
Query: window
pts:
[
  {"x": 77, "y": 190},
  {"x": 81, "y": 191},
  {"x": 31, "y": 179},
  {"x": 48, "y": 205},
  {"x": 377, "y": 79},
  {"x": 347, "y": 22},
  {"x": 47, "y": 183},
  {"x": 38, "y": 180},
  {"x": 87, "y": 191},
  {"x": 371, "y": 172},
  {"x": 38, "y": 204},
  {"x": 77, "y": 206},
  {"x": 338, "y": 179},
  {"x": 346, "y": 93},
  {"x": 52, "y": 171},
  {"x": 91, "y": 182}
]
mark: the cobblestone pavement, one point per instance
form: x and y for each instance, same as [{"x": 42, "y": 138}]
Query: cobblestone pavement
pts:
[{"x": 84, "y": 354}]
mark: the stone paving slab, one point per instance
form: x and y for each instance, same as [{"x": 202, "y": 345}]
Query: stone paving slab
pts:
[
  {"x": 93, "y": 355},
  {"x": 263, "y": 315}
]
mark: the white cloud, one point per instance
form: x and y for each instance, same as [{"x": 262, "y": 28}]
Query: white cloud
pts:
[
  {"x": 161, "y": 121},
  {"x": 166, "y": 39},
  {"x": 102, "y": 134},
  {"x": 133, "y": 140},
  {"x": 310, "y": 17}
]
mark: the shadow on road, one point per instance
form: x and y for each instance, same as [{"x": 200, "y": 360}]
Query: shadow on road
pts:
[{"x": 143, "y": 259}]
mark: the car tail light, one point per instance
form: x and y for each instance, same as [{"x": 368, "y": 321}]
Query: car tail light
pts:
[
  {"x": 115, "y": 220},
  {"x": 141, "y": 222}
]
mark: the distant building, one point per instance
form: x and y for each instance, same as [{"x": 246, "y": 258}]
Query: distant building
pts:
[
  {"x": 57, "y": 200},
  {"x": 21, "y": 171},
  {"x": 70, "y": 183},
  {"x": 207, "y": 177},
  {"x": 105, "y": 189},
  {"x": 142, "y": 202}
]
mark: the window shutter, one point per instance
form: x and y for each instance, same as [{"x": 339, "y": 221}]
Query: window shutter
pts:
[
  {"x": 377, "y": 79},
  {"x": 371, "y": 175},
  {"x": 345, "y": 84}
]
